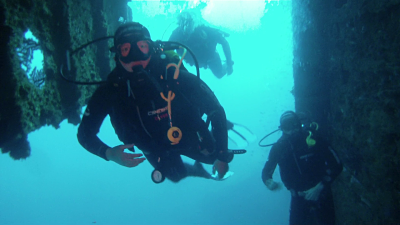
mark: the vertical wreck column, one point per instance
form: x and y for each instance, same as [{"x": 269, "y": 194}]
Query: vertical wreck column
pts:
[
  {"x": 310, "y": 59},
  {"x": 346, "y": 71}
]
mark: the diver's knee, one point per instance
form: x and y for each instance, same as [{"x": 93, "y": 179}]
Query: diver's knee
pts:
[
  {"x": 175, "y": 176},
  {"x": 174, "y": 179},
  {"x": 219, "y": 74}
]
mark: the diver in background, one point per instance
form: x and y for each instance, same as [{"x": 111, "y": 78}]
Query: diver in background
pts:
[
  {"x": 203, "y": 40},
  {"x": 158, "y": 109},
  {"x": 308, "y": 166}
]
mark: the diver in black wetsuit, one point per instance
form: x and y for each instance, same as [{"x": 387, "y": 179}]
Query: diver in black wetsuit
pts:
[
  {"x": 203, "y": 40},
  {"x": 308, "y": 166},
  {"x": 158, "y": 109}
]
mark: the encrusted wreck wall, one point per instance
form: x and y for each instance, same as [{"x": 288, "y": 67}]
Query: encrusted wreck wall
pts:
[
  {"x": 59, "y": 26},
  {"x": 346, "y": 70}
]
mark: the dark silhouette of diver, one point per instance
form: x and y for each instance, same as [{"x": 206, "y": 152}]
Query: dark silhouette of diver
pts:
[
  {"x": 203, "y": 40},
  {"x": 308, "y": 165},
  {"x": 158, "y": 107}
]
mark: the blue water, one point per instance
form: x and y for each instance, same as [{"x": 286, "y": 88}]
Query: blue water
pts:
[{"x": 62, "y": 183}]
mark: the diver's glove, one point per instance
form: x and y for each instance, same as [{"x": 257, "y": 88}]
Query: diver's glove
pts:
[
  {"x": 229, "y": 67},
  {"x": 313, "y": 193},
  {"x": 118, "y": 155},
  {"x": 220, "y": 170},
  {"x": 272, "y": 185}
]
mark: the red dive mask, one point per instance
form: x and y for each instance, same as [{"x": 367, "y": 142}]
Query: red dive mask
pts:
[{"x": 133, "y": 50}]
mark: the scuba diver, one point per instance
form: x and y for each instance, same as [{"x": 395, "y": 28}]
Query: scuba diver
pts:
[
  {"x": 156, "y": 106},
  {"x": 203, "y": 40},
  {"x": 308, "y": 166}
]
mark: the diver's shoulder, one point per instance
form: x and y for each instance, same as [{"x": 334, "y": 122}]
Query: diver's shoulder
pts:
[
  {"x": 282, "y": 142},
  {"x": 209, "y": 29},
  {"x": 105, "y": 89},
  {"x": 111, "y": 85},
  {"x": 176, "y": 34}
]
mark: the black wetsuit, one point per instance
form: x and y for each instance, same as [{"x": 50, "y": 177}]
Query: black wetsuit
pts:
[
  {"x": 203, "y": 42},
  {"x": 302, "y": 168},
  {"x": 140, "y": 116}
]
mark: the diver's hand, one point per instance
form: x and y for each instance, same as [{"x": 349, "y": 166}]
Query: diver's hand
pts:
[
  {"x": 313, "y": 193},
  {"x": 229, "y": 67},
  {"x": 118, "y": 155},
  {"x": 229, "y": 70},
  {"x": 272, "y": 185},
  {"x": 220, "y": 167}
]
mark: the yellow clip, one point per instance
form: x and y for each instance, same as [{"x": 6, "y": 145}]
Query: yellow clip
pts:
[
  {"x": 171, "y": 96},
  {"x": 174, "y": 135},
  {"x": 310, "y": 142}
]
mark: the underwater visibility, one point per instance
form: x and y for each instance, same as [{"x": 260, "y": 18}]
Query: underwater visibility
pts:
[{"x": 199, "y": 112}]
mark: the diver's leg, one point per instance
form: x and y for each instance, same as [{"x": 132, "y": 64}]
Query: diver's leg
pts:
[
  {"x": 298, "y": 211},
  {"x": 152, "y": 159},
  {"x": 216, "y": 67},
  {"x": 170, "y": 165},
  {"x": 197, "y": 170},
  {"x": 326, "y": 209},
  {"x": 175, "y": 169}
]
